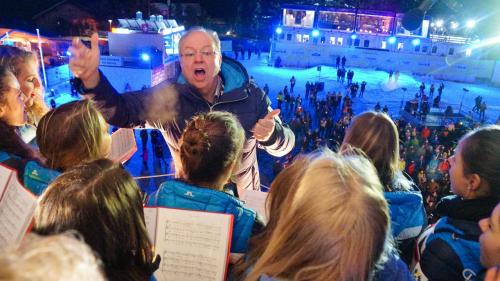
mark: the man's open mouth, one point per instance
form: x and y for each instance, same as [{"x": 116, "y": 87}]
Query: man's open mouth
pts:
[{"x": 199, "y": 73}]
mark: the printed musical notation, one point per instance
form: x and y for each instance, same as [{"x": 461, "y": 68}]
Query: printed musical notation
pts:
[{"x": 193, "y": 245}]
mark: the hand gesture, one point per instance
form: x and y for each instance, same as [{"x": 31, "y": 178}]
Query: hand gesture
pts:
[
  {"x": 84, "y": 62},
  {"x": 264, "y": 128}
]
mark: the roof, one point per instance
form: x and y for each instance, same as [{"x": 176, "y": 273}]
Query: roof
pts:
[{"x": 15, "y": 33}]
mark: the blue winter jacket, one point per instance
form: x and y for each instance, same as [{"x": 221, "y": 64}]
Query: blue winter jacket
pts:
[
  {"x": 168, "y": 106},
  {"x": 32, "y": 175},
  {"x": 407, "y": 213},
  {"x": 177, "y": 194},
  {"x": 450, "y": 249}
]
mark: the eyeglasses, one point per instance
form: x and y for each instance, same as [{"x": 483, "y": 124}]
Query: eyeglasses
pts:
[{"x": 204, "y": 53}]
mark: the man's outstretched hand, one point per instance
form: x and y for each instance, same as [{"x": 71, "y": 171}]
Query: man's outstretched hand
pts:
[
  {"x": 264, "y": 128},
  {"x": 84, "y": 62}
]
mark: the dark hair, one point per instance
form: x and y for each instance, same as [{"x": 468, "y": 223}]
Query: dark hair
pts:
[
  {"x": 10, "y": 141},
  {"x": 101, "y": 201},
  {"x": 481, "y": 155},
  {"x": 209, "y": 144},
  {"x": 70, "y": 134}
]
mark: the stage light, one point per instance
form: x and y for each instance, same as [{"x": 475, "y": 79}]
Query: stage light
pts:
[
  {"x": 392, "y": 40},
  {"x": 415, "y": 42},
  {"x": 68, "y": 53},
  {"x": 439, "y": 23},
  {"x": 315, "y": 33},
  {"x": 279, "y": 30},
  {"x": 354, "y": 36},
  {"x": 454, "y": 25},
  {"x": 470, "y": 24},
  {"x": 145, "y": 57}
]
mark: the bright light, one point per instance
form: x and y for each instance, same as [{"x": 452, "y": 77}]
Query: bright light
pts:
[
  {"x": 279, "y": 30},
  {"x": 415, "y": 42},
  {"x": 354, "y": 36},
  {"x": 315, "y": 33},
  {"x": 454, "y": 25},
  {"x": 145, "y": 57},
  {"x": 468, "y": 52},
  {"x": 439, "y": 23},
  {"x": 68, "y": 53},
  {"x": 470, "y": 24},
  {"x": 392, "y": 40}
]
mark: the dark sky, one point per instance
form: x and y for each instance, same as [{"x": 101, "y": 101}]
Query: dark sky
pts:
[{"x": 15, "y": 11}]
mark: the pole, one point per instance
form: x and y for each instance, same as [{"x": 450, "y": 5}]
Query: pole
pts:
[{"x": 41, "y": 57}]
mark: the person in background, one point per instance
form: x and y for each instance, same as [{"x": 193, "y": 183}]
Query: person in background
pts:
[
  {"x": 101, "y": 201},
  {"x": 450, "y": 248},
  {"x": 61, "y": 257},
  {"x": 210, "y": 149},
  {"x": 377, "y": 136},
  {"x": 14, "y": 152}
]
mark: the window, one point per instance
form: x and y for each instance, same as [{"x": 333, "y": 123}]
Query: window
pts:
[
  {"x": 340, "y": 41},
  {"x": 366, "y": 43},
  {"x": 356, "y": 42},
  {"x": 298, "y": 37},
  {"x": 451, "y": 51},
  {"x": 434, "y": 49},
  {"x": 289, "y": 37},
  {"x": 315, "y": 40},
  {"x": 323, "y": 39},
  {"x": 332, "y": 40},
  {"x": 282, "y": 36},
  {"x": 417, "y": 48},
  {"x": 425, "y": 49},
  {"x": 305, "y": 38},
  {"x": 384, "y": 45},
  {"x": 401, "y": 45}
]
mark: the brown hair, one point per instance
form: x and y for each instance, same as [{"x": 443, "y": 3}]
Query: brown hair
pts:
[
  {"x": 10, "y": 141},
  {"x": 102, "y": 202},
  {"x": 70, "y": 134},
  {"x": 333, "y": 224},
  {"x": 481, "y": 155},
  {"x": 377, "y": 136},
  {"x": 210, "y": 143}
]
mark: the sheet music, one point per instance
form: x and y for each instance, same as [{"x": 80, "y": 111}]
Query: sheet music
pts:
[
  {"x": 193, "y": 245},
  {"x": 5, "y": 175},
  {"x": 150, "y": 220},
  {"x": 16, "y": 212},
  {"x": 123, "y": 145},
  {"x": 256, "y": 200}
]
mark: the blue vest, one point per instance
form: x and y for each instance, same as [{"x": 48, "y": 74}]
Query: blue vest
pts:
[
  {"x": 32, "y": 175},
  {"x": 177, "y": 194}
]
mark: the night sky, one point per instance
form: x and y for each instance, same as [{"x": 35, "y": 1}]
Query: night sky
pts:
[{"x": 17, "y": 13}]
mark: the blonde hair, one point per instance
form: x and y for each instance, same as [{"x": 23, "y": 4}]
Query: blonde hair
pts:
[
  {"x": 60, "y": 257},
  {"x": 333, "y": 227},
  {"x": 377, "y": 136}
]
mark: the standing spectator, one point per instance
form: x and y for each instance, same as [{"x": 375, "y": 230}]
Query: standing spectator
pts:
[
  {"x": 145, "y": 159},
  {"x": 362, "y": 89},
  {"x": 482, "y": 111},
  {"x": 280, "y": 99},
  {"x": 337, "y": 62},
  {"x": 377, "y": 107},
  {"x": 266, "y": 89},
  {"x": 144, "y": 139},
  {"x": 308, "y": 90},
  {"x": 292, "y": 84},
  {"x": 343, "y": 61},
  {"x": 431, "y": 91}
]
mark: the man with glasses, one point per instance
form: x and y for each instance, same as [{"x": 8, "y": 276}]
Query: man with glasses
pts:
[{"x": 208, "y": 82}]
